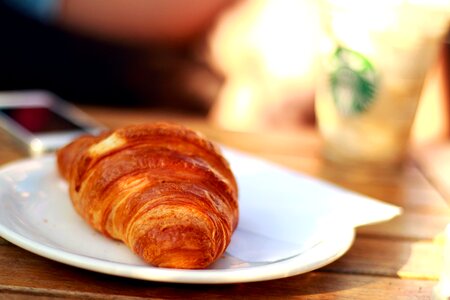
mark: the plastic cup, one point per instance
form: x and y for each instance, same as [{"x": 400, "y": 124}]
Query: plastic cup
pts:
[{"x": 375, "y": 56}]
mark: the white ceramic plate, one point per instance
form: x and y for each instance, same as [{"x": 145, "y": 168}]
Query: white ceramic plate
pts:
[{"x": 36, "y": 214}]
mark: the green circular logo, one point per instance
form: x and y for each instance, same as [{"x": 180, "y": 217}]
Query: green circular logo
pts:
[{"x": 353, "y": 81}]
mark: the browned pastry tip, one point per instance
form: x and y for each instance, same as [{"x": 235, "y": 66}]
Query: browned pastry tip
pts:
[{"x": 163, "y": 189}]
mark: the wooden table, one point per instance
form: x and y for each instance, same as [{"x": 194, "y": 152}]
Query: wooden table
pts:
[{"x": 399, "y": 259}]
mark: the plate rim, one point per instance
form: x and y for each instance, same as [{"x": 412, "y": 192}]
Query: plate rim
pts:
[{"x": 332, "y": 247}]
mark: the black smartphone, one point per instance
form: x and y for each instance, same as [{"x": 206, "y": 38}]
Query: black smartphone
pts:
[{"x": 41, "y": 121}]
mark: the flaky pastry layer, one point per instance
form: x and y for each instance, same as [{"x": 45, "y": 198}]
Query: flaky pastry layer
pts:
[{"x": 162, "y": 189}]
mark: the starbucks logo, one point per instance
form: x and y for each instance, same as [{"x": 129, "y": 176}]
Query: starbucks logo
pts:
[{"x": 353, "y": 81}]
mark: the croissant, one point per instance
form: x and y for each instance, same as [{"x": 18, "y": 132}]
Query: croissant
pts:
[{"x": 162, "y": 189}]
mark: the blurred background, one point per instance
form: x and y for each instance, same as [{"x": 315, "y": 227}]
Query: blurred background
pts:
[
  {"x": 110, "y": 52},
  {"x": 246, "y": 65}
]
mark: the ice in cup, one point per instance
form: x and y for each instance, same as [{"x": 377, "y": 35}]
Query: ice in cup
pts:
[{"x": 375, "y": 58}]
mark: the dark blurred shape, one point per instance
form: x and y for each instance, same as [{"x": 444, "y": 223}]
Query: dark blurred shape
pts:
[{"x": 34, "y": 55}]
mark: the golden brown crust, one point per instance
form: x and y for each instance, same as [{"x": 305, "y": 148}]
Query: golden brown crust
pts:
[{"x": 162, "y": 189}]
